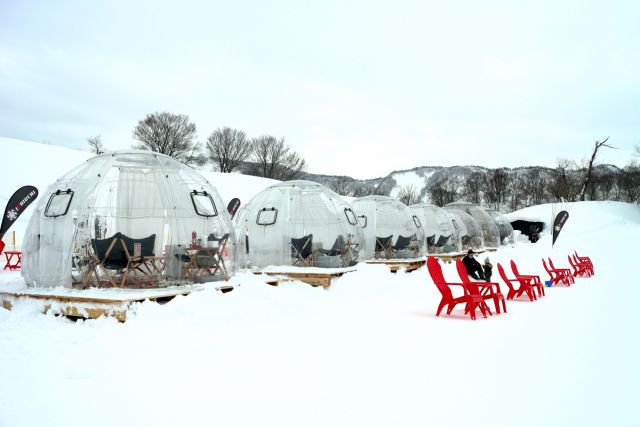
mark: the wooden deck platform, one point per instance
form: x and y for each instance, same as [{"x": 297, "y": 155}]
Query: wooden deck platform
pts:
[
  {"x": 91, "y": 305},
  {"x": 313, "y": 278},
  {"x": 407, "y": 265}
]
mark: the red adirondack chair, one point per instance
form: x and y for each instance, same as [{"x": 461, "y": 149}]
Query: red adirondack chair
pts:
[
  {"x": 471, "y": 301},
  {"x": 531, "y": 279},
  {"x": 584, "y": 262},
  {"x": 579, "y": 268},
  {"x": 513, "y": 292},
  {"x": 556, "y": 276},
  {"x": 585, "y": 259},
  {"x": 490, "y": 290},
  {"x": 567, "y": 271}
]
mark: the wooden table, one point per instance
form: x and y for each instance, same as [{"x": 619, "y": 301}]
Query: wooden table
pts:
[{"x": 13, "y": 264}]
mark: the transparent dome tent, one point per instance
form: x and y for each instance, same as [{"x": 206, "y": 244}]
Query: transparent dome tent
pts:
[
  {"x": 504, "y": 227},
  {"x": 469, "y": 230},
  {"x": 490, "y": 232},
  {"x": 442, "y": 234},
  {"x": 298, "y": 223},
  {"x": 391, "y": 229},
  {"x": 128, "y": 219}
]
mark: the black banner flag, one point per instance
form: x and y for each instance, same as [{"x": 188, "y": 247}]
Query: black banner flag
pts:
[
  {"x": 558, "y": 223},
  {"x": 15, "y": 206},
  {"x": 233, "y": 206}
]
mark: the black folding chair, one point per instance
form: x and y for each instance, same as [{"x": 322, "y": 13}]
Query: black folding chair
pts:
[
  {"x": 302, "y": 250},
  {"x": 384, "y": 246}
]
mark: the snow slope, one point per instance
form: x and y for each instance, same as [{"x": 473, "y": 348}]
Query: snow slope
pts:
[{"x": 367, "y": 352}]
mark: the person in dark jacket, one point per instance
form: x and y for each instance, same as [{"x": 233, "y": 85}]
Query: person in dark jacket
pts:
[{"x": 474, "y": 269}]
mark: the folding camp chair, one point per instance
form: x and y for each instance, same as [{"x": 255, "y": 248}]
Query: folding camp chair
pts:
[
  {"x": 336, "y": 249},
  {"x": 384, "y": 247},
  {"x": 490, "y": 290},
  {"x": 403, "y": 248},
  {"x": 108, "y": 255},
  {"x": 442, "y": 240},
  {"x": 471, "y": 301},
  {"x": 208, "y": 261},
  {"x": 302, "y": 250},
  {"x": 139, "y": 255},
  {"x": 530, "y": 279},
  {"x": 524, "y": 286},
  {"x": 431, "y": 240}
]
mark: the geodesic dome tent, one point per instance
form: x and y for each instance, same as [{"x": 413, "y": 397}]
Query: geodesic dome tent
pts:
[
  {"x": 442, "y": 236},
  {"x": 504, "y": 227},
  {"x": 128, "y": 219},
  {"x": 468, "y": 229},
  {"x": 300, "y": 223},
  {"x": 391, "y": 229},
  {"x": 490, "y": 232}
]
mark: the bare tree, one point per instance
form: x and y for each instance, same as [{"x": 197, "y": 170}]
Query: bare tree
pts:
[
  {"x": 442, "y": 192},
  {"x": 408, "y": 195},
  {"x": 227, "y": 148},
  {"x": 497, "y": 187},
  {"x": 564, "y": 187},
  {"x": 95, "y": 144},
  {"x": 586, "y": 182},
  {"x": 535, "y": 187},
  {"x": 170, "y": 134},
  {"x": 472, "y": 187},
  {"x": 272, "y": 158}
]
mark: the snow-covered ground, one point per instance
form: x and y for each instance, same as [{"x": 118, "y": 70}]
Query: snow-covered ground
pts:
[{"x": 367, "y": 352}]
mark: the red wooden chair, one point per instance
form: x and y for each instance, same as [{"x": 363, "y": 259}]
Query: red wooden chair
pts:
[
  {"x": 556, "y": 276},
  {"x": 579, "y": 269},
  {"x": 513, "y": 292},
  {"x": 471, "y": 301},
  {"x": 490, "y": 290},
  {"x": 566, "y": 271},
  {"x": 531, "y": 279},
  {"x": 584, "y": 259},
  {"x": 586, "y": 265}
]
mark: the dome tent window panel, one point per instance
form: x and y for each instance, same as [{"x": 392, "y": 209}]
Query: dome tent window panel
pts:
[
  {"x": 351, "y": 217},
  {"x": 267, "y": 216},
  {"x": 416, "y": 221},
  {"x": 58, "y": 204},
  {"x": 203, "y": 204}
]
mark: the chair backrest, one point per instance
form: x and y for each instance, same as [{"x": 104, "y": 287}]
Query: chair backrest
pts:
[
  {"x": 442, "y": 240},
  {"x": 338, "y": 245},
  {"x": 464, "y": 276},
  {"x": 402, "y": 243},
  {"x": 544, "y": 264},
  {"x": 572, "y": 263},
  {"x": 303, "y": 246},
  {"x": 504, "y": 277},
  {"x": 147, "y": 245},
  {"x": 431, "y": 240},
  {"x": 514, "y": 268},
  {"x": 551, "y": 266},
  {"x": 113, "y": 259},
  {"x": 383, "y": 244},
  {"x": 435, "y": 271}
]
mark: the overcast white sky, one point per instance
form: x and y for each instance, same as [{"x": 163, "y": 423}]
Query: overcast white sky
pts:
[{"x": 359, "y": 88}]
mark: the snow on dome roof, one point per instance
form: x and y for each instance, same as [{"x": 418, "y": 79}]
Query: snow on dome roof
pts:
[
  {"x": 383, "y": 217},
  {"x": 127, "y": 218},
  {"x": 299, "y": 223}
]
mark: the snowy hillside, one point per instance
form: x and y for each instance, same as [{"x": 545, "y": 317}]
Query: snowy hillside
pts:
[{"x": 369, "y": 351}]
